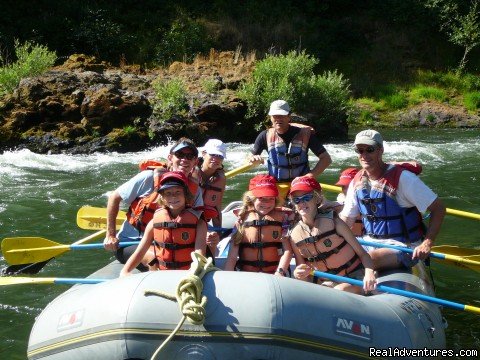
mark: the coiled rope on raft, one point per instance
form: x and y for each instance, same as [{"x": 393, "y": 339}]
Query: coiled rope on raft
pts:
[{"x": 188, "y": 296}]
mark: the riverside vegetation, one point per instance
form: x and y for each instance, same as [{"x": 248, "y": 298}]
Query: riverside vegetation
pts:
[{"x": 50, "y": 102}]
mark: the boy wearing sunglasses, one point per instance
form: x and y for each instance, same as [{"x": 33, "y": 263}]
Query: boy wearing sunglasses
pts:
[
  {"x": 321, "y": 241},
  {"x": 390, "y": 200},
  {"x": 141, "y": 192}
]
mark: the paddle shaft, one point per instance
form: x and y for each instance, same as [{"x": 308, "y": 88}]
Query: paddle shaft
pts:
[
  {"x": 391, "y": 290},
  {"x": 4, "y": 281},
  {"x": 454, "y": 212},
  {"x": 73, "y": 247},
  {"x": 410, "y": 251}
]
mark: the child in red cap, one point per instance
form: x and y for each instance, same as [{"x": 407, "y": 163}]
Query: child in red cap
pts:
[
  {"x": 259, "y": 236},
  {"x": 321, "y": 241},
  {"x": 174, "y": 230}
]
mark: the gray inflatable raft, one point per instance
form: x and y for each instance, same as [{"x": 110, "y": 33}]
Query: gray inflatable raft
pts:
[{"x": 248, "y": 316}]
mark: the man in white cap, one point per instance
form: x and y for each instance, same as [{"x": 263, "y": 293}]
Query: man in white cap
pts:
[
  {"x": 288, "y": 145},
  {"x": 390, "y": 200}
]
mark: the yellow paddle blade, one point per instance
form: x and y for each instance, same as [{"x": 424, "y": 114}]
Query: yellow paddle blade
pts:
[
  {"x": 11, "y": 280},
  {"x": 26, "y": 250},
  {"x": 455, "y": 250},
  {"x": 95, "y": 218},
  {"x": 239, "y": 170}
]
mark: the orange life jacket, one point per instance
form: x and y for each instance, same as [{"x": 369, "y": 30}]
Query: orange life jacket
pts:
[
  {"x": 141, "y": 210},
  {"x": 323, "y": 248},
  {"x": 213, "y": 189},
  {"x": 174, "y": 239},
  {"x": 261, "y": 247}
]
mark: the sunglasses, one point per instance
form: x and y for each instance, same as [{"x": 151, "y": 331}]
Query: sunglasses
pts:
[
  {"x": 183, "y": 155},
  {"x": 305, "y": 198},
  {"x": 368, "y": 149},
  {"x": 217, "y": 156}
]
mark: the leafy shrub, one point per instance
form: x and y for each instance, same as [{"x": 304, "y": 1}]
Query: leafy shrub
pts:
[
  {"x": 421, "y": 92},
  {"x": 129, "y": 129},
  {"x": 291, "y": 77},
  {"x": 32, "y": 60},
  {"x": 209, "y": 85},
  {"x": 396, "y": 101},
  {"x": 185, "y": 39},
  {"x": 471, "y": 100},
  {"x": 171, "y": 98}
]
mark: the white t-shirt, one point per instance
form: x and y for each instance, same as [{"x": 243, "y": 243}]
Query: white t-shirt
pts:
[{"x": 411, "y": 192}]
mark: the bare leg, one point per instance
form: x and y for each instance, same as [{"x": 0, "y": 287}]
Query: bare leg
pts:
[{"x": 384, "y": 259}]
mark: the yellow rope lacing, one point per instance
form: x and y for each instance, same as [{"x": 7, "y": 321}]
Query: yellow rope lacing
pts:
[{"x": 188, "y": 295}]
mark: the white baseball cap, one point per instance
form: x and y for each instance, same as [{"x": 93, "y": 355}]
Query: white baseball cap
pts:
[
  {"x": 369, "y": 137},
  {"x": 279, "y": 107},
  {"x": 215, "y": 147}
]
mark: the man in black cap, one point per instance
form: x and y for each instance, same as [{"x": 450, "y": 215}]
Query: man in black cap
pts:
[{"x": 139, "y": 193}]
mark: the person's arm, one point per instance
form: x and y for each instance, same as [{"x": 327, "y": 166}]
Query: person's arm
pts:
[
  {"x": 140, "y": 251},
  {"x": 324, "y": 161},
  {"x": 437, "y": 213},
  {"x": 111, "y": 241},
  {"x": 200, "y": 237},
  {"x": 260, "y": 144},
  {"x": 232, "y": 256},
  {"x": 287, "y": 255},
  {"x": 369, "y": 281}
]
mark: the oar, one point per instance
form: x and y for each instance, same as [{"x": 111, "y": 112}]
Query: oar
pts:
[
  {"x": 391, "y": 290},
  {"x": 452, "y": 259},
  {"x": 459, "y": 213},
  {"x": 93, "y": 218},
  {"x": 11, "y": 280},
  {"x": 24, "y": 250},
  {"x": 457, "y": 251},
  {"x": 35, "y": 267},
  {"x": 239, "y": 170}
]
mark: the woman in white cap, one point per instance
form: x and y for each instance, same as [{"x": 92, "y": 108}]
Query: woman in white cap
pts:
[
  {"x": 212, "y": 182},
  {"x": 287, "y": 146}
]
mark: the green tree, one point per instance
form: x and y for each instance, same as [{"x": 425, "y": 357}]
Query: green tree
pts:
[{"x": 463, "y": 29}]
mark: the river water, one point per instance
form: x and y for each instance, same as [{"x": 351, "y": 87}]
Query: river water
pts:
[{"x": 41, "y": 194}]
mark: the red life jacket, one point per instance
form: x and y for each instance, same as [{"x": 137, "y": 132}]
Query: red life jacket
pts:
[
  {"x": 213, "y": 189},
  {"x": 141, "y": 209},
  {"x": 261, "y": 247},
  {"x": 174, "y": 239}
]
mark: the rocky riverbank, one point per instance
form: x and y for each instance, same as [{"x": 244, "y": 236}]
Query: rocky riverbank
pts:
[{"x": 84, "y": 106}]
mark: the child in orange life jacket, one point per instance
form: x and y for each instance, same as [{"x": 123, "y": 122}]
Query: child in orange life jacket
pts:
[
  {"x": 321, "y": 241},
  {"x": 175, "y": 229},
  {"x": 260, "y": 237},
  {"x": 213, "y": 182}
]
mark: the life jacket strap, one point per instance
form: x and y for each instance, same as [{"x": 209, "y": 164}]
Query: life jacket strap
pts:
[
  {"x": 260, "y": 245},
  {"x": 315, "y": 238},
  {"x": 325, "y": 255},
  {"x": 174, "y": 264},
  {"x": 262, "y": 223},
  {"x": 173, "y": 225},
  {"x": 257, "y": 263},
  {"x": 173, "y": 246}
]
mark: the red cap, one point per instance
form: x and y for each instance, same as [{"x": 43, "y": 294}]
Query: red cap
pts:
[
  {"x": 173, "y": 178},
  {"x": 305, "y": 183},
  {"x": 263, "y": 185},
  {"x": 346, "y": 176}
]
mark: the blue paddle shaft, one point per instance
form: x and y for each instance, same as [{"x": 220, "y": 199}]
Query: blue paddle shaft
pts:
[
  {"x": 71, "y": 281},
  {"x": 400, "y": 248},
  {"x": 392, "y": 290},
  {"x": 100, "y": 245}
]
